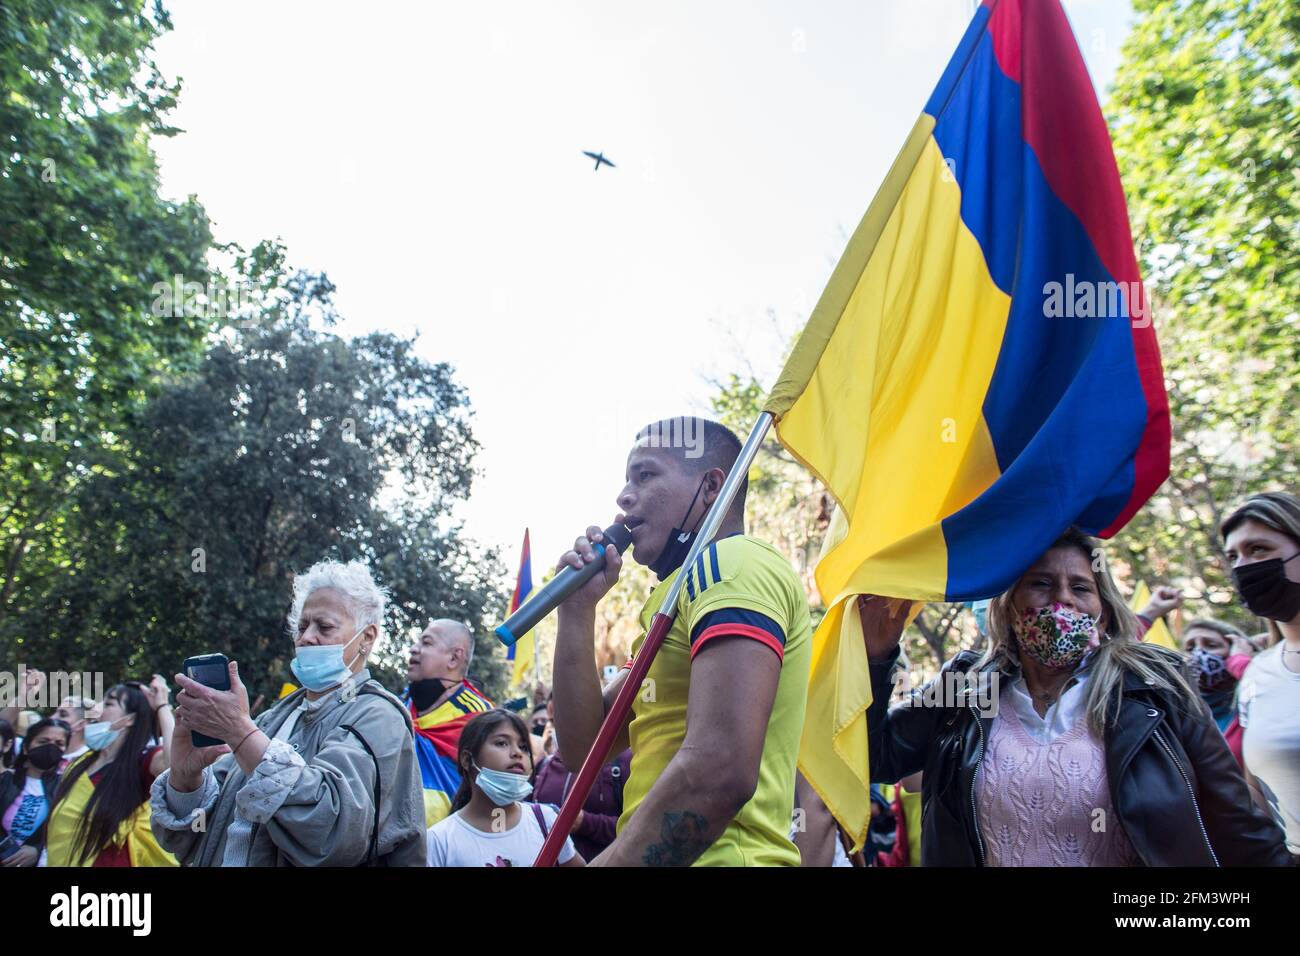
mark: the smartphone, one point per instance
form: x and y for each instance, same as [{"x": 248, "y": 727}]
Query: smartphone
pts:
[{"x": 210, "y": 670}]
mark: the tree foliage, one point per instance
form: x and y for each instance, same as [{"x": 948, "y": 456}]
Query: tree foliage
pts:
[
  {"x": 287, "y": 445},
  {"x": 84, "y": 238},
  {"x": 1205, "y": 113}
]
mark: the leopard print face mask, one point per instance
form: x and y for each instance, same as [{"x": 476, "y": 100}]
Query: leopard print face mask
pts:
[
  {"x": 1211, "y": 671},
  {"x": 1055, "y": 636}
]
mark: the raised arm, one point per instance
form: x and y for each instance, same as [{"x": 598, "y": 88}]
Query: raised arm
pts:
[
  {"x": 816, "y": 837},
  {"x": 898, "y": 739},
  {"x": 157, "y": 693},
  {"x": 34, "y": 682}
]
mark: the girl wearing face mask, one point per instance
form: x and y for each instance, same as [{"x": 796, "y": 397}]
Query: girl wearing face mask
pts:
[
  {"x": 1261, "y": 541},
  {"x": 1076, "y": 744},
  {"x": 490, "y": 825},
  {"x": 27, "y": 791},
  {"x": 101, "y": 809},
  {"x": 1219, "y": 655}
]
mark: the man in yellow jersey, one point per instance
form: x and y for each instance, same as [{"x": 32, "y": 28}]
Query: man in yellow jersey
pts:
[{"x": 715, "y": 729}]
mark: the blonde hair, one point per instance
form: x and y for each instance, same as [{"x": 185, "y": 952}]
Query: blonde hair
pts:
[
  {"x": 1273, "y": 509},
  {"x": 1120, "y": 651}
]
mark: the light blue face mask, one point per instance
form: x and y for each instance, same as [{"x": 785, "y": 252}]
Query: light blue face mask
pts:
[
  {"x": 321, "y": 667},
  {"x": 100, "y": 735},
  {"x": 502, "y": 788}
]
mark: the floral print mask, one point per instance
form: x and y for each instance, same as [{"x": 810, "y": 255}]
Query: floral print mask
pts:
[{"x": 1055, "y": 636}]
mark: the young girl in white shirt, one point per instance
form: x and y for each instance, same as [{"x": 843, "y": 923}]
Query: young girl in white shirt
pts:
[{"x": 490, "y": 824}]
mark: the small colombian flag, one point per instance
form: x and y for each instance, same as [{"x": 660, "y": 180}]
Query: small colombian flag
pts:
[{"x": 520, "y": 653}]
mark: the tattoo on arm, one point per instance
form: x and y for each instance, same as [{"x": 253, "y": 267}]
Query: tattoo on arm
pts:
[{"x": 683, "y": 840}]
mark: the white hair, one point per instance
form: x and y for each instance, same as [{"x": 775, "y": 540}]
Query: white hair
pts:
[{"x": 364, "y": 598}]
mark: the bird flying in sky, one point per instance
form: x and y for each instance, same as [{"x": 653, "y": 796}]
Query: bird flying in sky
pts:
[{"x": 599, "y": 158}]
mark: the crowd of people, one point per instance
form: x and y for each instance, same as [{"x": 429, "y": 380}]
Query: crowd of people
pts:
[{"x": 1103, "y": 749}]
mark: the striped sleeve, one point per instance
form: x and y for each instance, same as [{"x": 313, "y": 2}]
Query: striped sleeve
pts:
[{"x": 738, "y": 622}]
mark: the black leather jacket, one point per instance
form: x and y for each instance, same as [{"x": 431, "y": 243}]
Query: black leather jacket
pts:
[{"x": 1174, "y": 785}]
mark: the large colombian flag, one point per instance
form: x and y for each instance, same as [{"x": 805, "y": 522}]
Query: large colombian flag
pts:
[
  {"x": 520, "y": 653},
  {"x": 981, "y": 370}
]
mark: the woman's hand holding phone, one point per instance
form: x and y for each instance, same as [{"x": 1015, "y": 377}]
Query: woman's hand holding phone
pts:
[
  {"x": 188, "y": 761},
  {"x": 222, "y": 714}
]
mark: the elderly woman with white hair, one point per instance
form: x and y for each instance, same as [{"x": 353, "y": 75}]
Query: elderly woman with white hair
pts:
[{"x": 326, "y": 777}]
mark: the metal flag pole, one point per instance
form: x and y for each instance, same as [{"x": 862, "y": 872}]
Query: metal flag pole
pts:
[{"x": 659, "y": 627}]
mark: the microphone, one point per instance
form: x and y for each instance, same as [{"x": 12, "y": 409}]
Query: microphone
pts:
[{"x": 557, "y": 590}]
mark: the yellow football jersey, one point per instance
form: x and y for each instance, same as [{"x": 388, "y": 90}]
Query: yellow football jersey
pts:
[{"x": 738, "y": 587}]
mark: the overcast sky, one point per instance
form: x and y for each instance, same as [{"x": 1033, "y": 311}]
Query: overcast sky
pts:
[{"x": 428, "y": 158}]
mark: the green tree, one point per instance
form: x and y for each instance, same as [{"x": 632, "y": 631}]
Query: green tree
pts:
[
  {"x": 84, "y": 239},
  {"x": 288, "y": 445},
  {"x": 1205, "y": 113}
]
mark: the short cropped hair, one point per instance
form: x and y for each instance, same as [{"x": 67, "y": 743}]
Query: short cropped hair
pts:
[
  {"x": 719, "y": 446},
  {"x": 364, "y": 598},
  {"x": 466, "y": 632}
]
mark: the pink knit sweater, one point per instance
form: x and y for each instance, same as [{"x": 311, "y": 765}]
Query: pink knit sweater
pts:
[{"x": 1047, "y": 804}]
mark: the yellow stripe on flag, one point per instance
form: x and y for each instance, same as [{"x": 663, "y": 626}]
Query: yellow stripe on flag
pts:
[
  {"x": 523, "y": 658},
  {"x": 881, "y": 399}
]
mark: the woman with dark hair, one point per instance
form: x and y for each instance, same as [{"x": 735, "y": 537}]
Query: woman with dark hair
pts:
[
  {"x": 27, "y": 791},
  {"x": 1088, "y": 747},
  {"x": 101, "y": 810},
  {"x": 1261, "y": 540},
  {"x": 490, "y": 825}
]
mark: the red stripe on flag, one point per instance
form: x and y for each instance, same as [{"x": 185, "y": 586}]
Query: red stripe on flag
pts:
[{"x": 1062, "y": 123}]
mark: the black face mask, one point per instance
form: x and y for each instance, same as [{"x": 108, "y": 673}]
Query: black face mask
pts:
[
  {"x": 1266, "y": 590},
  {"x": 425, "y": 692},
  {"x": 882, "y": 833},
  {"x": 44, "y": 757},
  {"x": 678, "y": 545}
]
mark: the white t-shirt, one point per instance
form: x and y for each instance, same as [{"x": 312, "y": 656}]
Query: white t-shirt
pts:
[
  {"x": 1268, "y": 706},
  {"x": 453, "y": 842},
  {"x": 71, "y": 755}
]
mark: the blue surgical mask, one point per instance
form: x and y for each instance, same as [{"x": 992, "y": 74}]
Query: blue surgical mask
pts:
[
  {"x": 100, "y": 735},
  {"x": 502, "y": 788},
  {"x": 322, "y": 667}
]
